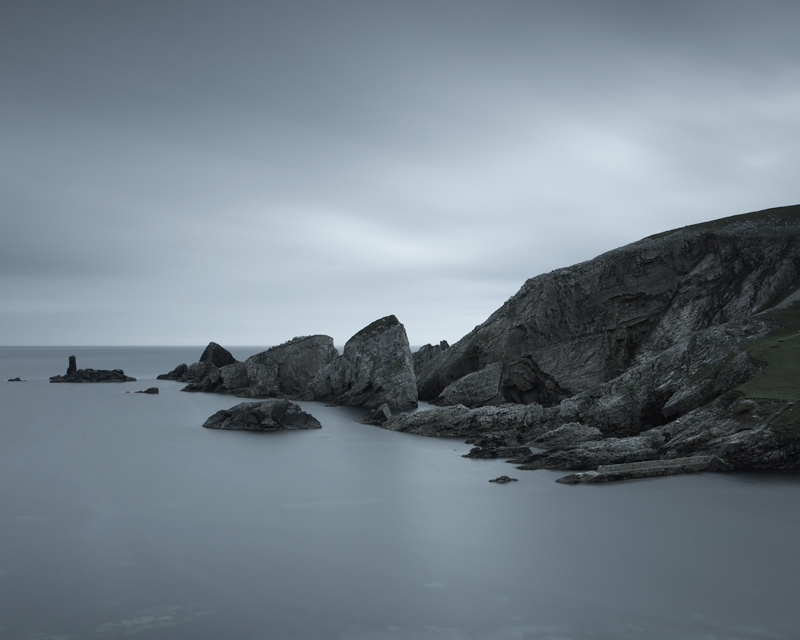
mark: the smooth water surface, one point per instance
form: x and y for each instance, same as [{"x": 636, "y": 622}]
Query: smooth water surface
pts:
[{"x": 120, "y": 515}]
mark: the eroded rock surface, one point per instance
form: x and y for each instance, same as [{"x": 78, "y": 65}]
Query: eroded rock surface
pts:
[
  {"x": 287, "y": 370},
  {"x": 270, "y": 415},
  {"x": 376, "y": 368},
  {"x": 476, "y": 389}
]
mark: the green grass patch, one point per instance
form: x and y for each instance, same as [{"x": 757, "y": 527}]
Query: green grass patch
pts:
[
  {"x": 383, "y": 323},
  {"x": 777, "y": 216},
  {"x": 780, "y": 350}
]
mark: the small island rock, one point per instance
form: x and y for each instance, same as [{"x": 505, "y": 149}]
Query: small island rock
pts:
[{"x": 270, "y": 415}]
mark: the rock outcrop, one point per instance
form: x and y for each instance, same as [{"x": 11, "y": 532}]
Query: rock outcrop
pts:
[
  {"x": 283, "y": 371},
  {"x": 574, "y": 328},
  {"x": 376, "y": 368},
  {"x": 426, "y": 353},
  {"x": 212, "y": 359},
  {"x": 91, "y": 375},
  {"x": 663, "y": 356},
  {"x": 477, "y": 389},
  {"x": 270, "y": 415},
  {"x": 287, "y": 370}
]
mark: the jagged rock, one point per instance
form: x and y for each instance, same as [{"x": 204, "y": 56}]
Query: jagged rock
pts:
[
  {"x": 286, "y": 370},
  {"x": 574, "y": 328},
  {"x": 377, "y": 416},
  {"x": 91, "y": 375},
  {"x": 16, "y": 380},
  {"x": 375, "y": 368},
  {"x": 217, "y": 355},
  {"x": 150, "y": 390},
  {"x": 270, "y": 415},
  {"x": 569, "y": 434},
  {"x": 503, "y": 480},
  {"x": 212, "y": 358},
  {"x": 426, "y": 353},
  {"x": 477, "y": 389}
]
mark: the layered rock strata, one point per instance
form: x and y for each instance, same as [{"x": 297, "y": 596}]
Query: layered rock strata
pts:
[{"x": 375, "y": 368}]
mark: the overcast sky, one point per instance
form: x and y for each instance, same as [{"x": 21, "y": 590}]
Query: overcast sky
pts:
[{"x": 246, "y": 172}]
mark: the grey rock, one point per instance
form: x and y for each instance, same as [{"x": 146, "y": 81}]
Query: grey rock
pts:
[
  {"x": 376, "y": 368},
  {"x": 287, "y": 369},
  {"x": 270, "y": 415},
  {"x": 567, "y": 331},
  {"x": 569, "y": 434},
  {"x": 504, "y": 480},
  {"x": 476, "y": 389},
  {"x": 150, "y": 390},
  {"x": 16, "y": 380},
  {"x": 91, "y": 375},
  {"x": 460, "y": 421},
  {"x": 426, "y": 353}
]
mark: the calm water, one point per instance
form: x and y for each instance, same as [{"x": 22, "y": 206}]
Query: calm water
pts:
[{"x": 120, "y": 515}]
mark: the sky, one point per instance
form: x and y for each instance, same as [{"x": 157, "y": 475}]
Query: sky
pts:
[{"x": 177, "y": 172}]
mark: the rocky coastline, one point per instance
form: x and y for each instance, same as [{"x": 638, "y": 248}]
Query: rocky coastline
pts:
[{"x": 675, "y": 354}]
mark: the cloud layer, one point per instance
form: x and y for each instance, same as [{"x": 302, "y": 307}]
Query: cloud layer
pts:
[{"x": 179, "y": 172}]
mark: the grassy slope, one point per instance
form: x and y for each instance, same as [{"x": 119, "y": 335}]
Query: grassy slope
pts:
[{"x": 780, "y": 378}]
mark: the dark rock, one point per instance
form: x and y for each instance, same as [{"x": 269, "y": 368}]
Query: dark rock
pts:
[
  {"x": 287, "y": 369},
  {"x": 177, "y": 373},
  {"x": 151, "y": 390},
  {"x": 570, "y": 330},
  {"x": 376, "y": 368},
  {"x": 270, "y": 415},
  {"x": 91, "y": 375},
  {"x": 217, "y": 355},
  {"x": 503, "y": 480},
  {"x": 426, "y": 353},
  {"x": 377, "y": 416},
  {"x": 16, "y": 380},
  {"x": 497, "y": 452}
]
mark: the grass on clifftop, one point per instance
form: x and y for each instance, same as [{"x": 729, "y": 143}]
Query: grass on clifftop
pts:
[
  {"x": 777, "y": 216},
  {"x": 780, "y": 350},
  {"x": 383, "y": 323}
]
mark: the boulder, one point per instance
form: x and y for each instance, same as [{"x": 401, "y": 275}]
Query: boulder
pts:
[
  {"x": 376, "y": 368},
  {"x": 91, "y": 375},
  {"x": 476, "y": 389},
  {"x": 270, "y": 415},
  {"x": 150, "y": 390}
]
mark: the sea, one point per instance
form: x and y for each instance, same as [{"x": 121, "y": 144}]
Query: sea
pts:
[{"x": 121, "y": 516}]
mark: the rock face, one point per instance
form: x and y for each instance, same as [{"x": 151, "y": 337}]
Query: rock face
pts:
[
  {"x": 426, "y": 353},
  {"x": 574, "y": 328},
  {"x": 283, "y": 371},
  {"x": 476, "y": 389},
  {"x": 91, "y": 375},
  {"x": 213, "y": 358},
  {"x": 270, "y": 415},
  {"x": 672, "y": 354},
  {"x": 376, "y": 368},
  {"x": 286, "y": 370}
]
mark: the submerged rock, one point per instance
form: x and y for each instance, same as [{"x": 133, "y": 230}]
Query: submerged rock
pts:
[
  {"x": 376, "y": 368},
  {"x": 91, "y": 375},
  {"x": 16, "y": 380},
  {"x": 270, "y": 415},
  {"x": 150, "y": 390}
]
